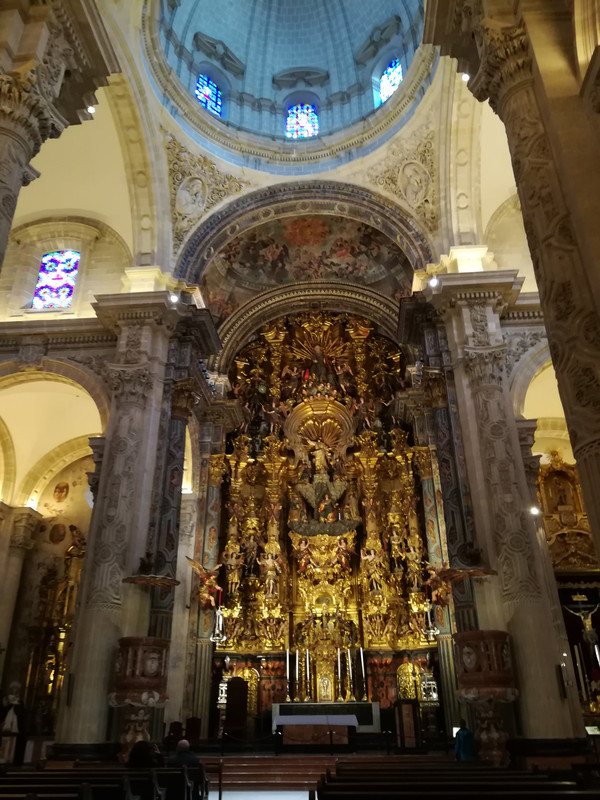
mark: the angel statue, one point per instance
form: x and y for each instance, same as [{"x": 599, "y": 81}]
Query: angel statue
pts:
[
  {"x": 208, "y": 587},
  {"x": 441, "y": 577},
  {"x": 270, "y": 566}
]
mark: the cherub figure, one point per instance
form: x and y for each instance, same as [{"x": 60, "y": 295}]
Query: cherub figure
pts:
[
  {"x": 303, "y": 554},
  {"x": 442, "y": 577},
  {"x": 343, "y": 553},
  {"x": 208, "y": 587}
]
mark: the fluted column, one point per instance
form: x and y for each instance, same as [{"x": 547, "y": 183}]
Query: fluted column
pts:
[
  {"x": 517, "y": 600},
  {"x": 23, "y": 525},
  {"x": 50, "y": 66},
  {"x": 516, "y": 56}
]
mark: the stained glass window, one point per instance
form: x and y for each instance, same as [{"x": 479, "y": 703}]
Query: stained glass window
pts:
[
  {"x": 56, "y": 279},
  {"x": 390, "y": 80},
  {"x": 209, "y": 95},
  {"x": 302, "y": 121}
]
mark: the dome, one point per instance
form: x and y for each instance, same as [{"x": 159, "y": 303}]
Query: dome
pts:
[{"x": 232, "y": 70}]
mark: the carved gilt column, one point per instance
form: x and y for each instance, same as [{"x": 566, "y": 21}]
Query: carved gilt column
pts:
[{"x": 517, "y": 599}]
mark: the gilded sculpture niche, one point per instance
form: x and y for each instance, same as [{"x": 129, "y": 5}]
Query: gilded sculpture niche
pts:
[
  {"x": 565, "y": 521},
  {"x": 328, "y": 540}
]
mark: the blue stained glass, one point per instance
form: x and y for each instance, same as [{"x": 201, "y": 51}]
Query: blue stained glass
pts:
[
  {"x": 302, "y": 121},
  {"x": 390, "y": 80},
  {"x": 56, "y": 279},
  {"x": 209, "y": 95}
]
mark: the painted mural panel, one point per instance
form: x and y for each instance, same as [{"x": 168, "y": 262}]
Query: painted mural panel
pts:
[{"x": 287, "y": 251}]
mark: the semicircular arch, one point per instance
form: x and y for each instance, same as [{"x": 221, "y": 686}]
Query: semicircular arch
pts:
[
  {"x": 242, "y": 325},
  {"x": 48, "y": 466},
  {"x": 524, "y": 373},
  {"x": 56, "y": 369},
  {"x": 8, "y": 464},
  {"x": 302, "y": 199}
]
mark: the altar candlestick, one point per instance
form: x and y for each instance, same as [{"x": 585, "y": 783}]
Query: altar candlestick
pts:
[
  {"x": 287, "y": 664},
  {"x": 307, "y": 674},
  {"x": 339, "y": 665},
  {"x": 350, "y": 680},
  {"x": 364, "y": 674}
]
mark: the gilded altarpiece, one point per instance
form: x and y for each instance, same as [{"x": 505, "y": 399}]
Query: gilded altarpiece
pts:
[
  {"x": 577, "y": 572},
  {"x": 333, "y": 519}
]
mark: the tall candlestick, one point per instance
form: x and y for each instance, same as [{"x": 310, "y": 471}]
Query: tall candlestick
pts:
[
  {"x": 307, "y": 674},
  {"x": 580, "y": 671},
  {"x": 364, "y": 674},
  {"x": 349, "y": 668},
  {"x": 297, "y": 668},
  {"x": 287, "y": 664}
]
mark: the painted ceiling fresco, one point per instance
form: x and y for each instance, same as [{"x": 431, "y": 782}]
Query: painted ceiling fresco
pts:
[{"x": 288, "y": 251}]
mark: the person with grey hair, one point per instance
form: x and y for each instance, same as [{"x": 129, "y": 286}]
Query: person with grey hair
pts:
[{"x": 183, "y": 756}]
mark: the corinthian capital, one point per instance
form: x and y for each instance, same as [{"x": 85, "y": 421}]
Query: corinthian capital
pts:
[
  {"x": 505, "y": 61},
  {"x": 485, "y": 366}
]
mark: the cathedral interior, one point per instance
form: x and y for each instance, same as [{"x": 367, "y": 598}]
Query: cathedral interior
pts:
[{"x": 299, "y": 378}]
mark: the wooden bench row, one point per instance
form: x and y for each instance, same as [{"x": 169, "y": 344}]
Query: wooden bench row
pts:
[{"x": 108, "y": 784}]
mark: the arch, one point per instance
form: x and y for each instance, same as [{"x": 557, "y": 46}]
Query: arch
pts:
[
  {"x": 242, "y": 325},
  {"x": 299, "y": 199},
  {"x": 48, "y": 466},
  {"x": 524, "y": 372},
  {"x": 55, "y": 369},
  {"x": 8, "y": 464}
]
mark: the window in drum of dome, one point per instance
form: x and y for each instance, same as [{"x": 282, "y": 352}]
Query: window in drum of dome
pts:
[
  {"x": 390, "y": 80},
  {"x": 56, "y": 280},
  {"x": 302, "y": 121},
  {"x": 209, "y": 95}
]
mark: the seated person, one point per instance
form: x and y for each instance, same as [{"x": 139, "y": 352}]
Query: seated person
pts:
[
  {"x": 183, "y": 756},
  {"x": 145, "y": 754}
]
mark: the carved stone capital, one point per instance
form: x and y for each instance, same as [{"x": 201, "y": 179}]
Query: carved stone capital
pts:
[
  {"x": 131, "y": 385},
  {"x": 24, "y": 525},
  {"x": 32, "y": 349},
  {"x": 505, "y": 61},
  {"x": 484, "y": 366},
  {"x": 185, "y": 397}
]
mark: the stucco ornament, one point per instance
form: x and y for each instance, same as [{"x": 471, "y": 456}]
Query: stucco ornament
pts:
[
  {"x": 196, "y": 185},
  {"x": 409, "y": 173}
]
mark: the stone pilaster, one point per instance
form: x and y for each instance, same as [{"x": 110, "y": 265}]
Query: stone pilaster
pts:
[
  {"x": 517, "y": 599},
  {"x": 50, "y": 65},
  {"x": 117, "y": 539},
  {"x": 22, "y": 528}
]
